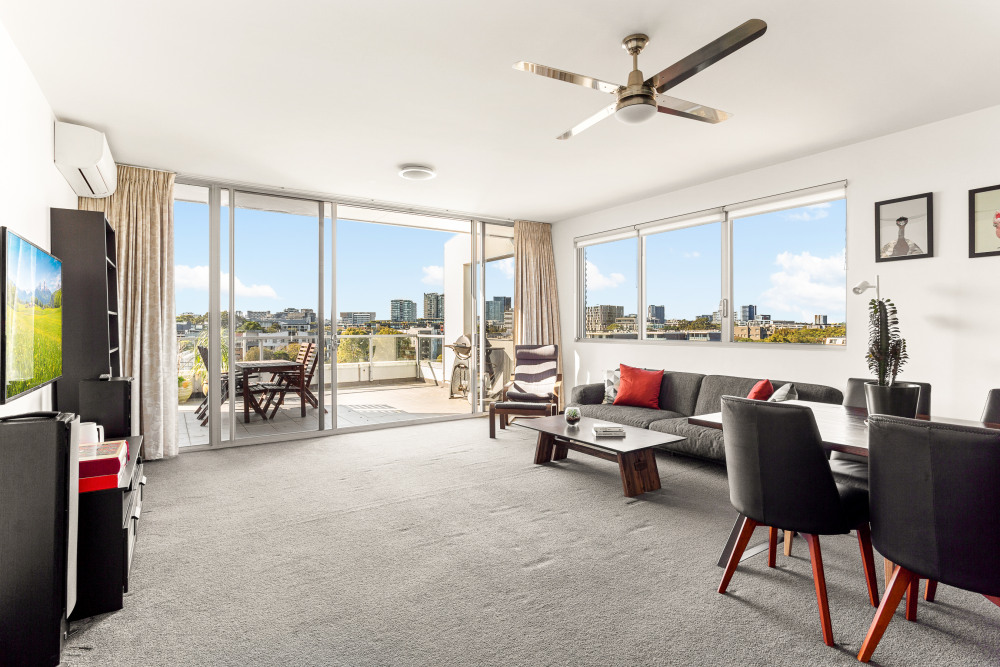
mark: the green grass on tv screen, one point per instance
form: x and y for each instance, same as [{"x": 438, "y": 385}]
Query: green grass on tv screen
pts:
[{"x": 34, "y": 341}]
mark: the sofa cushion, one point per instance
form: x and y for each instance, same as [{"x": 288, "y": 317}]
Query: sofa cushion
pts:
[
  {"x": 625, "y": 414},
  {"x": 785, "y": 392},
  {"x": 612, "y": 381},
  {"x": 761, "y": 391},
  {"x": 639, "y": 388},
  {"x": 714, "y": 387},
  {"x": 679, "y": 391},
  {"x": 819, "y": 393},
  {"x": 701, "y": 441},
  {"x": 587, "y": 394}
]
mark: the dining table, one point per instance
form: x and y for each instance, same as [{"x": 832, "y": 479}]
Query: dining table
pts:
[
  {"x": 842, "y": 428},
  {"x": 291, "y": 367}
]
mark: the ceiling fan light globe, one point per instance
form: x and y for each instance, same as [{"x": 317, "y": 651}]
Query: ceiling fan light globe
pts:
[{"x": 633, "y": 114}]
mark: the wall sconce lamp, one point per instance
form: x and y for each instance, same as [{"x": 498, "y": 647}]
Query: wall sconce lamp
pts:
[{"x": 864, "y": 286}]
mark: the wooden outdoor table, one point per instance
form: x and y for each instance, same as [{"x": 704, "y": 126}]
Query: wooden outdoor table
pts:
[{"x": 274, "y": 366}]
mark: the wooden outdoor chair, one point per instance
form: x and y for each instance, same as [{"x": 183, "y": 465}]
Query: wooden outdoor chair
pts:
[
  {"x": 289, "y": 381},
  {"x": 224, "y": 394}
]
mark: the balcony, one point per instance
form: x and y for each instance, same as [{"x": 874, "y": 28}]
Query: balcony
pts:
[{"x": 379, "y": 379}]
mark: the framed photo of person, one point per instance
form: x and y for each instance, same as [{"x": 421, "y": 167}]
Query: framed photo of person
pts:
[
  {"x": 984, "y": 221},
  {"x": 904, "y": 228}
]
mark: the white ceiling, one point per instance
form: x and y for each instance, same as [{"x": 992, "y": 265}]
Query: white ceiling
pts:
[{"x": 333, "y": 96}]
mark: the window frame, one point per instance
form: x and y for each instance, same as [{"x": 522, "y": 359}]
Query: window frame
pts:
[{"x": 725, "y": 215}]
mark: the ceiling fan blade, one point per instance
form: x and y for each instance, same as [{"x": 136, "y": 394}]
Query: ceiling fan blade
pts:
[
  {"x": 711, "y": 53},
  {"x": 678, "y": 107},
  {"x": 569, "y": 77},
  {"x": 593, "y": 120}
]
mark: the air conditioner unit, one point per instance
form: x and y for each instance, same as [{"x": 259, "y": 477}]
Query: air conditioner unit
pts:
[{"x": 84, "y": 158}]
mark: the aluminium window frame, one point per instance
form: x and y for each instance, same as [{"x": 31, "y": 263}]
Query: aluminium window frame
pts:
[{"x": 725, "y": 215}]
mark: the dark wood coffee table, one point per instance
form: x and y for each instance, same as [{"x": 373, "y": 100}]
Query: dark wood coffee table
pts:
[{"x": 633, "y": 453}]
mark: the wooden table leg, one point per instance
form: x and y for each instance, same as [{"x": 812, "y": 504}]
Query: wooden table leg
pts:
[
  {"x": 649, "y": 475},
  {"x": 631, "y": 483},
  {"x": 560, "y": 450},
  {"x": 493, "y": 420},
  {"x": 543, "y": 450},
  {"x": 246, "y": 397},
  {"x": 302, "y": 390}
]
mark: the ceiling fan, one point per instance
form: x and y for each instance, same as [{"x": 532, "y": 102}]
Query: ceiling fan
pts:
[{"x": 640, "y": 100}]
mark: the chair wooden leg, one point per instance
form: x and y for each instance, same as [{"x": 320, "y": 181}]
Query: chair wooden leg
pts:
[
  {"x": 493, "y": 420},
  {"x": 868, "y": 561},
  {"x": 277, "y": 404},
  {"x": 889, "y": 568},
  {"x": 746, "y": 532},
  {"x": 772, "y": 545},
  {"x": 789, "y": 536},
  {"x": 816, "y": 556},
  {"x": 930, "y": 590},
  {"x": 912, "y": 595},
  {"x": 894, "y": 590}
]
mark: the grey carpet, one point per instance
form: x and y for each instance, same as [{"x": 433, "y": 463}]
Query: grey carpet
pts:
[{"x": 434, "y": 545}]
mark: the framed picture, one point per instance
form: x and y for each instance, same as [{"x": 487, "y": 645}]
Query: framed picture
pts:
[
  {"x": 984, "y": 221},
  {"x": 904, "y": 228}
]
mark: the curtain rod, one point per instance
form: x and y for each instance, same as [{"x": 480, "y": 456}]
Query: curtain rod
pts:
[{"x": 139, "y": 166}]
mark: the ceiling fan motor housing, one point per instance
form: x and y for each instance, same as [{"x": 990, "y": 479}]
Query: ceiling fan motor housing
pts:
[{"x": 636, "y": 101}]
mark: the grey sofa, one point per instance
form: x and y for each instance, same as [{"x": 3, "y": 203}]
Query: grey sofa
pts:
[{"x": 683, "y": 395}]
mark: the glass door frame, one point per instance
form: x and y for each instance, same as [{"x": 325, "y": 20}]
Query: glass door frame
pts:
[{"x": 325, "y": 203}]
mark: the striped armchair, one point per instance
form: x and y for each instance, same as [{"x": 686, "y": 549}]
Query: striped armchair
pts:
[{"x": 536, "y": 375}]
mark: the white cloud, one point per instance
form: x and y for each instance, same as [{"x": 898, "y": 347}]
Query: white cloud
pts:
[
  {"x": 692, "y": 255},
  {"x": 433, "y": 275},
  {"x": 808, "y": 285},
  {"x": 597, "y": 280},
  {"x": 196, "y": 278},
  {"x": 810, "y": 213},
  {"x": 506, "y": 267}
]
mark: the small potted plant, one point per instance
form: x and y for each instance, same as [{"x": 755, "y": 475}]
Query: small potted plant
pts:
[
  {"x": 573, "y": 415},
  {"x": 886, "y": 356}
]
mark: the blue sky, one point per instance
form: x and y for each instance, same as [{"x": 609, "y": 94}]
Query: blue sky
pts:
[
  {"x": 276, "y": 263},
  {"x": 28, "y": 267},
  {"x": 790, "y": 264}
]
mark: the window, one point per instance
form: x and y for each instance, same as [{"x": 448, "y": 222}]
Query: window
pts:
[
  {"x": 789, "y": 275},
  {"x": 684, "y": 282},
  {"x": 772, "y": 270},
  {"x": 611, "y": 303}
]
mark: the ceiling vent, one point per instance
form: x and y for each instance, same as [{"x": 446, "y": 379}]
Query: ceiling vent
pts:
[{"x": 84, "y": 158}]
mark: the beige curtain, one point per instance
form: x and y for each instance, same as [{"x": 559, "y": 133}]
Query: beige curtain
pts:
[
  {"x": 142, "y": 213},
  {"x": 536, "y": 298}
]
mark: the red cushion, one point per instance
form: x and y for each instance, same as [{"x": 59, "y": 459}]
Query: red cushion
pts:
[
  {"x": 639, "y": 387},
  {"x": 761, "y": 391}
]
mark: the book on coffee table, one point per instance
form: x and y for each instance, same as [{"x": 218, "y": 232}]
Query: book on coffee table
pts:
[{"x": 609, "y": 431}]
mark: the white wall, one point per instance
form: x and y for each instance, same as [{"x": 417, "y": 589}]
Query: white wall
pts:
[
  {"x": 29, "y": 182},
  {"x": 949, "y": 305}
]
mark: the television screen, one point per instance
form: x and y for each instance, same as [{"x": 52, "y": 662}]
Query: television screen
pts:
[{"x": 32, "y": 316}]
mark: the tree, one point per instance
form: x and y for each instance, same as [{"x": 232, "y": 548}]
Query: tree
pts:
[
  {"x": 250, "y": 325},
  {"x": 273, "y": 327},
  {"x": 352, "y": 350}
]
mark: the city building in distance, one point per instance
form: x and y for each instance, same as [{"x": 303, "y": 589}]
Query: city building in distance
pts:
[
  {"x": 600, "y": 317},
  {"x": 433, "y": 306},
  {"x": 656, "y": 314},
  {"x": 402, "y": 310},
  {"x": 496, "y": 307},
  {"x": 356, "y": 318}
]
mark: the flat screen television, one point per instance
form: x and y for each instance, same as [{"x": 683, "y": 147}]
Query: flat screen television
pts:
[{"x": 32, "y": 317}]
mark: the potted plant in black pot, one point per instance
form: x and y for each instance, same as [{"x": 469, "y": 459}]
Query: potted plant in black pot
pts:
[{"x": 886, "y": 355}]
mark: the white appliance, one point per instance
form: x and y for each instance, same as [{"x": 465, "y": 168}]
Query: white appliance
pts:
[{"x": 84, "y": 158}]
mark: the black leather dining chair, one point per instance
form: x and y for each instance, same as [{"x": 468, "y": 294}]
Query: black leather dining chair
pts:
[
  {"x": 991, "y": 413},
  {"x": 779, "y": 477},
  {"x": 935, "y": 510},
  {"x": 853, "y": 470}
]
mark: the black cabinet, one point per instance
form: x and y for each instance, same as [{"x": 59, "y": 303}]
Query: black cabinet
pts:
[
  {"x": 39, "y": 463},
  {"x": 109, "y": 523},
  {"x": 85, "y": 242}
]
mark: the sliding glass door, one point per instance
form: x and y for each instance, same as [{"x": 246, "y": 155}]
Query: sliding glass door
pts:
[{"x": 298, "y": 315}]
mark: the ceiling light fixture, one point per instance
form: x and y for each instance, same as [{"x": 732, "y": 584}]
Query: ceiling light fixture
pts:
[{"x": 416, "y": 172}]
